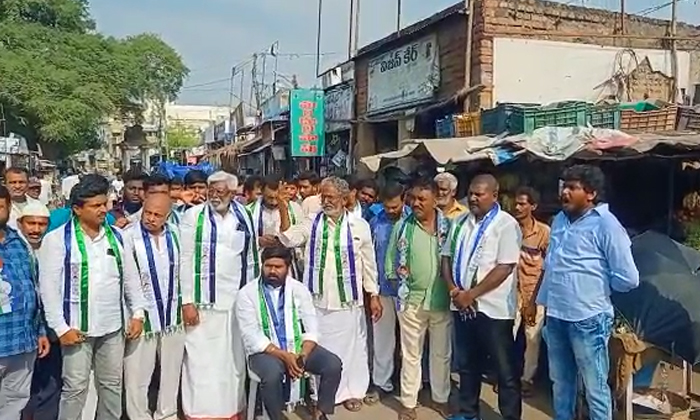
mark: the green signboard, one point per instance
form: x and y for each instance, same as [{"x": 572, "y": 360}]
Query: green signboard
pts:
[{"x": 306, "y": 123}]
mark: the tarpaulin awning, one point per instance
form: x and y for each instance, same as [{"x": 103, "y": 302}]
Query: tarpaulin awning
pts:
[{"x": 444, "y": 151}]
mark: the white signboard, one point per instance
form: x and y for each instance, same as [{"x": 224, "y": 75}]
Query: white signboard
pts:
[
  {"x": 404, "y": 76},
  {"x": 338, "y": 108}
]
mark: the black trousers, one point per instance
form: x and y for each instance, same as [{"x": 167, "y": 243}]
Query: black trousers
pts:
[
  {"x": 271, "y": 372},
  {"x": 479, "y": 339}
]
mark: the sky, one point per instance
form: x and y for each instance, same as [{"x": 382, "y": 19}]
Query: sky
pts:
[{"x": 213, "y": 36}]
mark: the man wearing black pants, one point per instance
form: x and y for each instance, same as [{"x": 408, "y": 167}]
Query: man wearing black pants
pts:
[
  {"x": 278, "y": 324},
  {"x": 479, "y": 256}
]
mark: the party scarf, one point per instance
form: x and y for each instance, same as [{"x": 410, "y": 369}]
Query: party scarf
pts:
[
  {"x": 465, "y": 266},
  {"x": 76, "y": 285},
  {"x": 205, "y": 253},
  {"x": 164, "y": 310},
  {"x": 256, "y": 210},
  {"x": 404, "y": 246},
  {"x": 344, "y": 252},
  {"x": 284, "y": 334}
]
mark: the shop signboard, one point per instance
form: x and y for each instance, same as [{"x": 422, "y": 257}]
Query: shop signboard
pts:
[
  {"x": 306, "y": 116},
  {"x": 404, "y": 76},
  {"x": 338, "y": 105},
  {"x": 275, "y": 106}
]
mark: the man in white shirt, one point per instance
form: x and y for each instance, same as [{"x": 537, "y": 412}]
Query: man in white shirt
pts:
[
  {"x": 339, "y": 266},
  {"x": 17, "y": 181},
  {"x": 84, "y": 290},
  {"x": 279, "y": 351},
  {"x": 478, "y": 261},
  {"x": 219, "y": 256},
  {"x": 156, "y": 246}
]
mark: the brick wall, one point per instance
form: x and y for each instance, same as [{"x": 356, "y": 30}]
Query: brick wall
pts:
[{"x": 529, "y": 18}]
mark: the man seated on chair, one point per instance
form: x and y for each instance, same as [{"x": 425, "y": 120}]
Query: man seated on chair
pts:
[{"x": 279, "y": 328}]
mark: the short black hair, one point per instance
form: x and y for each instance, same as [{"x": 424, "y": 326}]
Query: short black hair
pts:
[
  {"x": 367, "y": 183},
  {"x": 5, "y": 195},
  {"x": 353, "y": 181},
  {"x": 195, "y": 176},
  {"x": 590, "y": 177},
  {"x": 425, "y": 183},
  {"x": 391, "y": 190},
  {"x": 17, "y": 170},
  {"x": 277, "y": 252},
  {"x": 310, "y": 176},
  {"x": 134, "y": 175},
  {"x": 90, "y": 186},
  {"x": 155, "y": 180},
  {"x": 290, "y": 180},
  {"x": 533, "y": 197},
  {"x": 271, "y": 181},
  {"x": 176, "y": 182},
  {"x": 251, "y": 182}
]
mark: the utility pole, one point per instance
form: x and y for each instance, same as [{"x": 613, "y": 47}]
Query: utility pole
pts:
[
  {"x": 274, "y": 51},
  {"x": 318, "y": 39},
  {"x": 254, "y": 82},
  {"x": 356, "y": 39},
  {"x": 263, "y": 94},
  {"x": 230, "y": 92},
  {"x": 673, "y": 95},
  {"x": 351, "y": 28},
  {"x": 623, "y": 30},
  {"x": 398, "y": 16},
  {"x": 469, "y": 4}
]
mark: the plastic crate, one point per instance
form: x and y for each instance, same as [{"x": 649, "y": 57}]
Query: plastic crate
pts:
[
  {"x": 663, "y": 119},
  {"x": 497, "y": 120},
  {"x": 604, "y": 116},
  {"x": 467, "y": 124},
  {"x": 445, "y": 127},
  {"x": 527, "y": 120},
  {"x": 688, "y": 119}
]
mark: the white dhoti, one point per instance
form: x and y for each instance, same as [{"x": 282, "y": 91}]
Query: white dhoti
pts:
[
  {"x": 139, "y": 364},
  {"x": 214, "y": 369},
  {"x": 344, "y": 333}
]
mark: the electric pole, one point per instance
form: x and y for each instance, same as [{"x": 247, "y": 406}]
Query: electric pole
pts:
[
  {"x": 398, "y": 15},
  {"x": 356, "y": 39},
  {"x": 318, "y": 39},
  {"x": 230, "y": 92},
  {"x": 673, "y": 95},
  {"x": 469, "y": 4}
]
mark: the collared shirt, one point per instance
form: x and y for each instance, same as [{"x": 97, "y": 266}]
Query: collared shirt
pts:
[
  {"x": 173, "y": 218},
  {"x": 16, "y": 211},
  {"x": 250, "y": 319},
  {"x": 230, "y": 245},
  {"x": 365, "y": 261},
  {"x": 61, "y": 216},
  {"x": 381, "y": 227},
  {"x": 104, "y": 283},
  {"x": 586, "y": 260},
  {"x": 532, "y": 253},
  {"x": 271, "y": 218},
  {"x": 19, "y": 329},
  {"x": 455, "y": 210},
  {"x": 501, "y": 245},
  {"x": 427, "y": 289}
]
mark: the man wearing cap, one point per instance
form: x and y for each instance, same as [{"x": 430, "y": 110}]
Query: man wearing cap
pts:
[
  {"x": 46, "y": 382},
  {"x": 34, "y": 188}
]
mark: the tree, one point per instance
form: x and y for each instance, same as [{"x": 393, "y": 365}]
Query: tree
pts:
[
  {"x": 179, "y": 136},
  {"x": 59, "y": 80}
]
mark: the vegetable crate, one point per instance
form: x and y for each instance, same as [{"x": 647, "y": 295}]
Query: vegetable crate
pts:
[
  {"x": 688, "y": 119},
  {"x": 498, "y": 120},
  {"x": 604, "y": 116},
  {"x": 527, "y": 120},
  {"x": 663, "y": 119},
  {"x": 467, "y": 124},
  {"x": 445, "y": 127}
]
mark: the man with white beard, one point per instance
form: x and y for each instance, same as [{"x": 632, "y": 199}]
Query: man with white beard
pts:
[
  {"x": 219, "y": 256},
  {"x": 339, "y": 264}
]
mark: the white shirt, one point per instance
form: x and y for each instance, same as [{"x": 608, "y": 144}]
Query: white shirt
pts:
[
  {"x": 16, "y": 211},
  {"x": 501, "y": 245},
  {"x": 118, "y": 185},
  {"x": 365, "y": 260},
  {"x": 67, "y": 185},
  {"x": 311, "y": 205},
  {"x": 45, "y": 195},
  {"x": 229, "y": 254},
  {"x": 271, "y": 218},
  {"x": 250, "y": 320},
  {"x": 104, "y": 308}
]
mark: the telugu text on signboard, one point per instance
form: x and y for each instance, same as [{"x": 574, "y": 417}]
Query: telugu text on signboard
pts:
[
  {"x": 306, "y": 120},
  {"x": 339, "y": 108},
  {"x": 405, "y": 76}
]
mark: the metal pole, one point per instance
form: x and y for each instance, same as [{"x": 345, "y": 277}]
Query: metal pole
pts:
[
  {"x": 318, "y": 39},
  {"x": 351, "y": 28},
  {"x": 398, "y": 15},
  {"x": 275, "y": 47},
  {"x": 468, "y": 54},
  {"x": 230, "y": 92},
  {"x": 673, "y": 96},
  {"x": 356, "y": 38},
  {"x": 262, "y": 95}
]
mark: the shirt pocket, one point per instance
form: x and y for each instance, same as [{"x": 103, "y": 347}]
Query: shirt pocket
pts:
[{"x": 236, "y": 241}]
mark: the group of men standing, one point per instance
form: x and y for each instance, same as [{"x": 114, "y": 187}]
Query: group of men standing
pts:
[{"x": 300, "y": 285}]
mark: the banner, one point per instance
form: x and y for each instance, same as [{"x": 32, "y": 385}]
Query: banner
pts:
[{"x": 306, "y": 123}]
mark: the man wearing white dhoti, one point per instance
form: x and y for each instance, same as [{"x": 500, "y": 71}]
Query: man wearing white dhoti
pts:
[
  {"x": 219, "y": 256},
  {"x": 156, "y": 253},
  {"x": 84, "y": 289},
  {"x": 339, "y": 264},
  {"x": 278, "y": 321}
]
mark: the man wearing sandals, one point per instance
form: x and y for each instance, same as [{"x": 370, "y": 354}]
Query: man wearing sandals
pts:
[
  {"x": 413, "y": 257},
  {"x": 279, "y": 327},
  {"x": 339, "y": 265}
]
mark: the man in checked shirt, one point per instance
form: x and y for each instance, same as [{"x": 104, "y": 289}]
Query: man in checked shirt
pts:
[{"x": 22, "y": 330}]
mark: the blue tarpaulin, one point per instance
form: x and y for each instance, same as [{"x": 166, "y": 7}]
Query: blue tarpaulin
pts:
[{"x": 176, "y": 171}]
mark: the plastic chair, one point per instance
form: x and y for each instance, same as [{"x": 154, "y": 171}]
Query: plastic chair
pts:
[{"x": 253, "y": 397}]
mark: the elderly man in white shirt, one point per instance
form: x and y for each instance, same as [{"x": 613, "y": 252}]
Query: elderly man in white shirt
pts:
[
  {"x": 156, "y": 255},
  {"x": 339, "y": 265},
  {"x": 479, "y": 257},
  {"x": 85, "y": 294},
  {"x": 278, "y": 321},
  {"x": 219, "y": 256}
]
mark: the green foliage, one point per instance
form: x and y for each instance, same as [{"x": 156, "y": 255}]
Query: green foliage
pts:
[
  {"x": 692, "y": 234},
  {"x": 180, "y": 137},
  {"x": 59, "y": 80}
]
